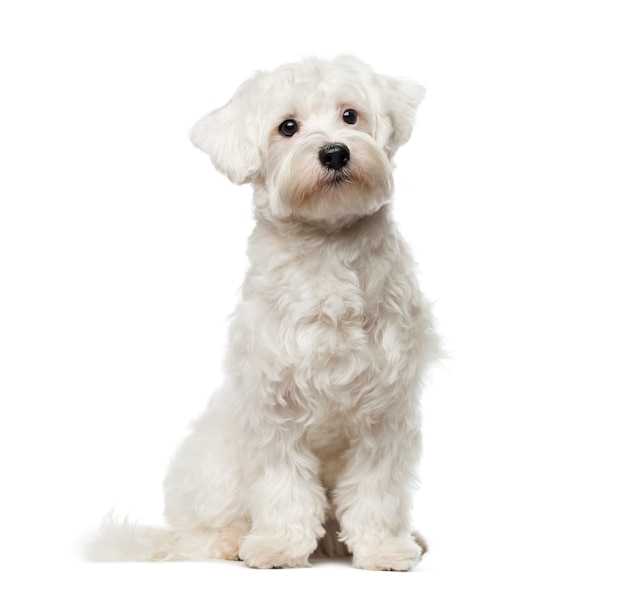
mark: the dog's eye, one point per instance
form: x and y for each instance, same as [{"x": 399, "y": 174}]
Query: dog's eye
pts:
[
  {"x": 350, "y": 116},
  {"x": 288, "y": 128}
]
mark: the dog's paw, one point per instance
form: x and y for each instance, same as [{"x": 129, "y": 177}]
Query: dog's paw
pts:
[
  {"x": 259, "y": 551},
  {"x": 227, "y": 545},
  {"x": 400, "y": 554}
]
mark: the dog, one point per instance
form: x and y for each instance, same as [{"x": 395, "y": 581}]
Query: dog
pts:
[{"x": 312, "y": 443}]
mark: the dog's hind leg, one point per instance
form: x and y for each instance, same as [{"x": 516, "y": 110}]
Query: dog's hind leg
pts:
[{"x": 203, "y": 489}]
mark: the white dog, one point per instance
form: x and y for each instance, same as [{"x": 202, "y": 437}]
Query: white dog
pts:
[{"x": 313, "y": 440}]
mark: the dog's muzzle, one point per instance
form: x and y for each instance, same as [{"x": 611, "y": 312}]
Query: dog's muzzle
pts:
[{"x": 334, "y": 156}]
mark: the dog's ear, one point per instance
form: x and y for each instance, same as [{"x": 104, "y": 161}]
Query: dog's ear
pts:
[
  {"x": 227, "y": 135},
  {"x": 399, "y": 101}
]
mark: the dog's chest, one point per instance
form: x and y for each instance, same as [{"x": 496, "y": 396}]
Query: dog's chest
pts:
[
  {"x": 325, "y": 327},
  {"x": 329, "y": 321},
  {"x": 323, "y": 302}
]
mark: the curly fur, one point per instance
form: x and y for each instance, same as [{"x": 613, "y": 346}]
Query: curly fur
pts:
[{"x": 317, "y": 426}]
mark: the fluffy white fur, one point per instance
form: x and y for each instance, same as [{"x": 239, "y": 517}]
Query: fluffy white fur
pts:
[{"x": 314, "y": 438}]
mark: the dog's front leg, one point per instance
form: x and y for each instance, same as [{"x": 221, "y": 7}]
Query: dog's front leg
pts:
[
  {"x": 373, "y": 498},
  {"x": 285, "y": 499}
]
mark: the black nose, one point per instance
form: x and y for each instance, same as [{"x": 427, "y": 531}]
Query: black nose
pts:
[{"x": 335, "y": 156}]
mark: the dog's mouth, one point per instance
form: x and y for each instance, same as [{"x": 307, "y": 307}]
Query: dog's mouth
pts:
[
  {"x": 338, "y": 178},
  {"x": 334, "y": 178}
]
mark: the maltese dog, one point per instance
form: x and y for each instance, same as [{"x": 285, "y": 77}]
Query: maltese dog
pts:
[{"x": 311, "y": 444}]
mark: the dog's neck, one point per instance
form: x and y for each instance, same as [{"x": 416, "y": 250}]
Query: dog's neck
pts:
[{"x": 327, "y": 227}]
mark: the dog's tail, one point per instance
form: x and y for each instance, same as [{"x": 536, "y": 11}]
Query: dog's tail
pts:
[{"x": 122, "y": 540}]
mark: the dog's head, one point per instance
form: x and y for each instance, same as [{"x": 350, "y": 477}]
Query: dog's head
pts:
[{"x": 314, "y": 138}]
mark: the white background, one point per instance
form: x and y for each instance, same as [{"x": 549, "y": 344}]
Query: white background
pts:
[{"x": 121, "y": 253}]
